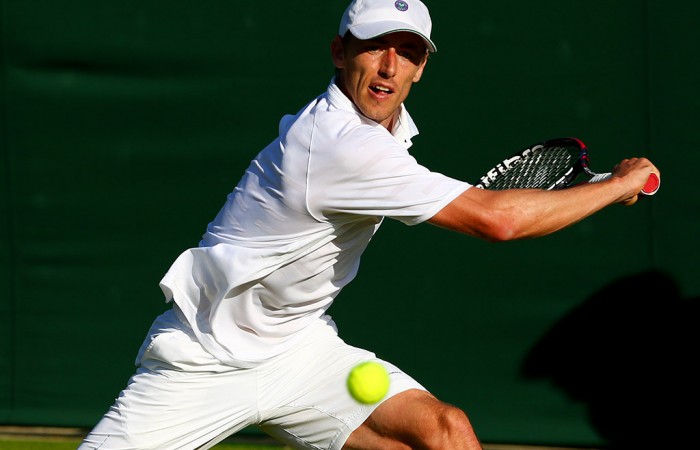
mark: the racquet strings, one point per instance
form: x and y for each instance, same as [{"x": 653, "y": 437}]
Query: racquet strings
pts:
[{"x": 543, "y": 168}]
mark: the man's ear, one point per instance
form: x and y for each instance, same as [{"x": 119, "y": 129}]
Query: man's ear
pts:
[
  {"x": 337, "y": 52},
  {"x": 419, "y": 73}
]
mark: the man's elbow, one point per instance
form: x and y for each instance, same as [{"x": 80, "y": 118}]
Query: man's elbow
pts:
[
  {"x": 500, "y": 233},
  {"x": 497, "y": 228}
]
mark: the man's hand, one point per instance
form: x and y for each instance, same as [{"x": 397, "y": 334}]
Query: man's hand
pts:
[{"x": 635, "y": 172}]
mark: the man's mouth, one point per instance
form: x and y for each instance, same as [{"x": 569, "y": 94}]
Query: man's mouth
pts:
[{"x": 380, "y": 90}]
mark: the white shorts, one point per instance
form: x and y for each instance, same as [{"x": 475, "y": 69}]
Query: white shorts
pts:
[{"x": 181, "y": 397}]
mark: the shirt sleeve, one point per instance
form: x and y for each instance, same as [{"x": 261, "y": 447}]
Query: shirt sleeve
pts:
[{"x": 367, "y": 172}]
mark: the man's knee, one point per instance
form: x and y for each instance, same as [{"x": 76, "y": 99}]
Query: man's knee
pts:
[
  {"x": 415, "y": 419},
  {"x": 450, "y": 429}
]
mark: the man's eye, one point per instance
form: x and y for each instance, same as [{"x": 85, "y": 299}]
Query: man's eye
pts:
[{"x": 411, "y": 56}]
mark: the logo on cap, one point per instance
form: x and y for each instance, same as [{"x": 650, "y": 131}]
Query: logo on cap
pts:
[{"x": 401, "y": 6}]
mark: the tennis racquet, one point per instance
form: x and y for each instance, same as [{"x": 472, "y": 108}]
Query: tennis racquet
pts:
[{"x": 552, "y": 164}]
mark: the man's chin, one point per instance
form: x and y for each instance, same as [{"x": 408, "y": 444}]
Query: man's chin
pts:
[{"x": 380, "y": 117}]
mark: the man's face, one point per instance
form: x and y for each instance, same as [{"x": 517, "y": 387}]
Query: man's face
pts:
[{"x": 377, "y": 74}]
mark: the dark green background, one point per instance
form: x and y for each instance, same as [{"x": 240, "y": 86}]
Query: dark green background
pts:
[{"x": 124, "y": 124}]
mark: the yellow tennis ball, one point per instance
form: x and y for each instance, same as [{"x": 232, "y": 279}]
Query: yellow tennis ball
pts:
[{"x": 368, "y": 382}]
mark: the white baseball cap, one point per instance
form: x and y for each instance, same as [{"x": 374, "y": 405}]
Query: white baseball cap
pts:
[{"x": 367, "y": 19}]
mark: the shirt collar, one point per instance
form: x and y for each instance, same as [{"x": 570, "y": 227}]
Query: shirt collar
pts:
[{"x": 404, "y": 128}]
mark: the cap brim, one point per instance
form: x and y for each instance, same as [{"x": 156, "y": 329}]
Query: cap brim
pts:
[{"x": 372, "y": 30}]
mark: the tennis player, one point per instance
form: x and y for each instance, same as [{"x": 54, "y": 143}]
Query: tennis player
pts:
[{"x": 248, "y": 341}]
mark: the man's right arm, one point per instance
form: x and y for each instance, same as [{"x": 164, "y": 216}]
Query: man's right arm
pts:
[{"x": 526, "y": 213}]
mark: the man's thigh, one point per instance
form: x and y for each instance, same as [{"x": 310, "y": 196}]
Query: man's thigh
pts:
[
  {"x": 180, "y": 397},
  {"x": 304, "y": 397}
]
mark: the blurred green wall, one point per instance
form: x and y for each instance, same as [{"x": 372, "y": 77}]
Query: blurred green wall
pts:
[{"x": 124, "y": 124}]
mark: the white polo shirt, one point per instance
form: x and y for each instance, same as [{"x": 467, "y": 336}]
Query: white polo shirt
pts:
[{"x": 291, "y": 234}]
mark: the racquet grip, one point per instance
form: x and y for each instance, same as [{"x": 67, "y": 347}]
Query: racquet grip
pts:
[
  {"x": 650, "y": 188},
  {"x": 600, "y": 177}
]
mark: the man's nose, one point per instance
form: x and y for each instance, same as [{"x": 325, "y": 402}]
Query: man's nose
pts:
[{"x": 389, "y": 61}]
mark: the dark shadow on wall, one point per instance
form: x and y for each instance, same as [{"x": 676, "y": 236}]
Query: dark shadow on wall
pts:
[{"x": 629, "y": 352}]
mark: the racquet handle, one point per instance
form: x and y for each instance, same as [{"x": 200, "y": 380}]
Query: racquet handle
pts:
[{"x": 650, "y": 188}]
